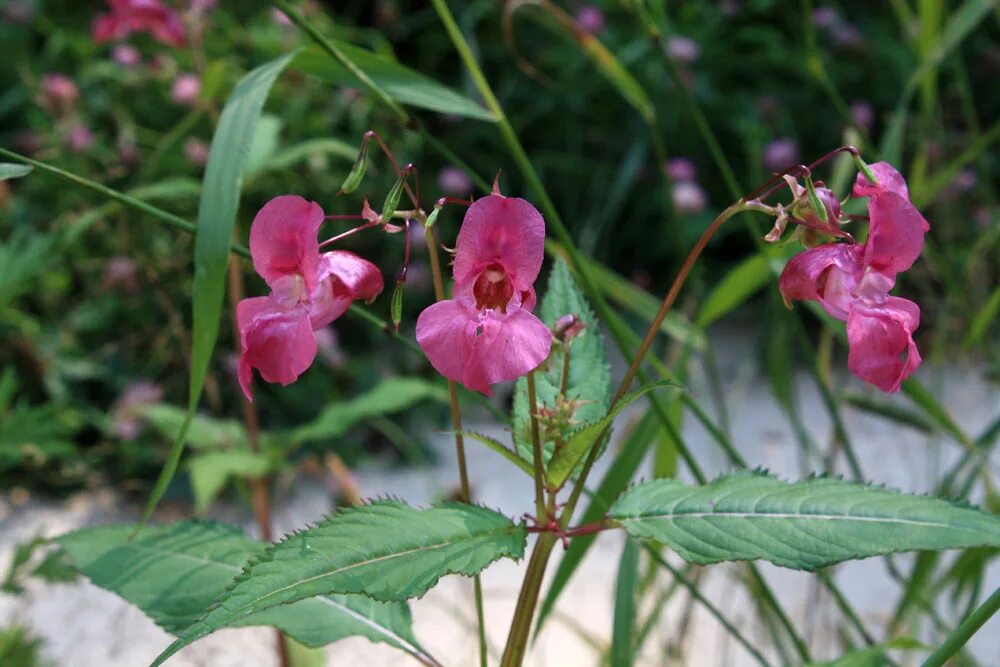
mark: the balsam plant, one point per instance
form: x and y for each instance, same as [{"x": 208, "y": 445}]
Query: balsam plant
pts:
[{"x": 353, "y": 573}]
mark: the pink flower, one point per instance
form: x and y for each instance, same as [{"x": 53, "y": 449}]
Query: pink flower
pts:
[
  {"x": 852, "y": 282},
  {"x": 487, "y": 333},
  {"x": 126, "y": 413},
  {"x": 126, "y": 55},
  {"x": 59, "y": 92},
  {"x": 308, "y": 291},
  {"x": 185, "y": 89},
  {"x": 683, "y": 49},
  {"x": 591, "y": 19},
  {"x": 196, "y": 151},
  {"x": 79, "y": 138},
  {"x": 680, "y": 169},
  {"x": 128, "y": 16},
  {"x": 781, "y": 154},
  {"x": 688, "y": 197},
  {"x": 455, "y": 182}
]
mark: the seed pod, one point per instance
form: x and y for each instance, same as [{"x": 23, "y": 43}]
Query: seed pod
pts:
[{"x": 354, "y": 178}]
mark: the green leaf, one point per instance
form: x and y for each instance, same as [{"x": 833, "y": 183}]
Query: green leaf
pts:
[
  {"x": 589, "y": 383},
  {"x": 400, "y": 82},
  {"x": 391, "y": 395},
  {"x": 803, "y": 525},
  {"x": 385, "y": 550},
  {"x": 227, "y": 159},
  {"x": 10, "y": 170},
  {"x": 203, "y": 432},
  {"x": 567, "y": 457},
  {"x": 300, "y": 152},
  {"x": 626, "y": 597},
  {"x": 173, "y": 573},
  {"x": 24, "y": 257},
  {"x": 872, "y": 656},
  {"x": 210, "y": 472}
]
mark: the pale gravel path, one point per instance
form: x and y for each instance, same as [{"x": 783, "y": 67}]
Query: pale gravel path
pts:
[{"x": 86, "y": 627}]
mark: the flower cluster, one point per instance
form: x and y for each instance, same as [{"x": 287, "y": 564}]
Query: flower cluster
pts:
[
  {"x": 851, "y": 280},
  {"x": 128, "y": 16},
  {"x": 487, "y": 333},
  {"x": 309, "y": 290}
]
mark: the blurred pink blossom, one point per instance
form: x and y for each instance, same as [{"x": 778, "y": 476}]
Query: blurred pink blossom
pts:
[
  {"x": 59, "y": 92},
  {"x": 126, "y": 55},
  {"x": 454, "y": 182},
  {"x": 121, "y": 273},
  {"x": 185, "y": 89},
  {"x": 683, "y": 49},
  {"x": 17, "y": 12},
  {"x": 128, "y": 16},
  {"x": 688, "y": 197},
  {"x": 781, "y": 154},
  {"x": 681, "y": 169},
  {"x": 591, "y": 19},
  {"x": 281, "y": 18},
  {"x": 126, "y": 413},
  {"x": 863, "y": 114},
  {"x": 196, "y": 151},
  {"x": 79, "y": 138}
]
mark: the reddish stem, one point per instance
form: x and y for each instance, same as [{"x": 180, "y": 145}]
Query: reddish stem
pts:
[
  {"x": 349, "y": 232},
  {"x": 415, "y": 198}
]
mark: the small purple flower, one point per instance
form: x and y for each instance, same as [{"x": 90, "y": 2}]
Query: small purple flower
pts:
[
  {"x": 455, "y": 182},
  {"x": 688, "y": 197},
  {"x": 196, "y": 151},
  {"x": 591, "y": 19},
  {"x": 825, "y": 17},
  {"x": 681, "y": 169},
  {"x": 18, "y": 12},
  {"x": 59, "y": 92},
  {"x": 126, "y": 55},
  {"x": 683, "y": 50},
  {"x": 281, "y": 18},
  {"x": 126, "y": 418},
  {"x": 185, "y": 89},
  {"x": 781, "y": 154},
  {"x": 121, "y": 273},
  {"x": 863, "y": 114},
  {"x": 846, "y": 35},
  {"x": 79, "y": 138}
]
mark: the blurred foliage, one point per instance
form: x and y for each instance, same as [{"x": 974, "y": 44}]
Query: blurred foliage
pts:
[{"x": 94, "y": 299}]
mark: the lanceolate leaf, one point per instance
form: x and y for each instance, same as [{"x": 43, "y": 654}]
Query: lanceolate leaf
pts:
[
  {"x": 391, "y": 395},
  {"x": 9, "y": 170},
  {"x": 400, "y": 82},
  {"x": 386, "y": 550},
  {"x": 589, "y": 375},
  {"x": 220, "y": 196},
  {"x": 174, "y": 573},
  {"x": 803, "y": 525}
]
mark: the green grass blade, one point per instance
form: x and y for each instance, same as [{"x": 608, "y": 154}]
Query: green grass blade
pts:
[{"x": 626, "y": 594}]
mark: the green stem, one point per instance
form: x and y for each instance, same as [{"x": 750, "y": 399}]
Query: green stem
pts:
[
  {"x": 536, "y": 450},
  {"x": 527, "y": 599},
  {"x": 958, "y": 638}
]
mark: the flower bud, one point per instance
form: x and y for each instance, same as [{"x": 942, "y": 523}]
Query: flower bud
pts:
[{"x": 567, "y": 328}]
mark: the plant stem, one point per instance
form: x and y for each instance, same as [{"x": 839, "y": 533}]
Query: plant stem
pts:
[
  {"x": 536, "y": 449},
  {"x": 958, "y": 638},
  {"x": 527, "y": 599},
  {"x": 456, "y": 423}
]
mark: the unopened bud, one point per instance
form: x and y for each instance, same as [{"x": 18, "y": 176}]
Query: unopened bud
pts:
[
  {"x": 396, "y": 304},
  {"x": 357, "y": 173},
  {"x": 567, "y": 328}
]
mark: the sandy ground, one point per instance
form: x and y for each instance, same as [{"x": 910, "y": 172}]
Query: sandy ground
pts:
[{"x": 83, "y": 626}]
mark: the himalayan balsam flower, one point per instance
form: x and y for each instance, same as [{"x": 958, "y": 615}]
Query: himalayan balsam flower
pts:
[
  {"x": 309, "y": 290},
  {"x": 688, "y": 197},
  {"x": 487, "y": 332},
  {"x": 591, "y": 19},
  {"x": 59, "y": 92},
  {"x": 128, "y": 16},
  {"x": 126, "y": 55},
  {"x": 852, "y": 282},
  {"x": 781, "y": 154},
  {"x": 454, "y": 181},
  {"x": 680, "y": 169}
]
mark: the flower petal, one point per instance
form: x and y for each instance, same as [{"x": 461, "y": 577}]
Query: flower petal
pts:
[
  {"x": 882, "y": 350},
  {"x": 446, "y": 331},
  {"x": 889, "y": 180},
  {"x": 508, "y": 348},
  {"x": 277, "y": 341},
  {"x": 283, "y": 239},
  {"x": 501, "y": 229},
  {"x": 353, "y": 276},
  {"x": 895, "y": 235},
  {"x": 827, "y": 274}
]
